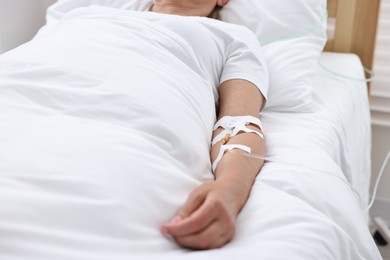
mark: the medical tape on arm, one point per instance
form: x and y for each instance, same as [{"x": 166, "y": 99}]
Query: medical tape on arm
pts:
[
  {"x": 234, "y": 124},
  {"x": 224, "y": 148}
]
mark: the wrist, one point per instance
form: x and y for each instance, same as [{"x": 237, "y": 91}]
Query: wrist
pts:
[
  {"x": 235, "y": 193},
  {"x": 237, "y": 177}
]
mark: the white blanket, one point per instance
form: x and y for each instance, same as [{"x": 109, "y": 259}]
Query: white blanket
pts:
[{"x": 95, "y": 156}]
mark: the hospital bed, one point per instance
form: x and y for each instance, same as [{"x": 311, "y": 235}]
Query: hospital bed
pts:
[{"x": 59, "y": 199}]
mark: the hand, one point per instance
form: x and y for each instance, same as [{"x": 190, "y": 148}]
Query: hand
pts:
[{"x": 207, "y": 220}]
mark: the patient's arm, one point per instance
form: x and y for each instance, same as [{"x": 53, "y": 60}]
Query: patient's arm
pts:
[{"x": 207, "y": 220}]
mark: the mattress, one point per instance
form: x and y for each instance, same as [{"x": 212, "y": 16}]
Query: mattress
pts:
[{"x": 78, "y": 181}]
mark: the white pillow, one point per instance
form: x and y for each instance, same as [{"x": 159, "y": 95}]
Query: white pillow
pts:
[
  {"x": 56, "y": 11},
  {"x": 293, "y": 34}
]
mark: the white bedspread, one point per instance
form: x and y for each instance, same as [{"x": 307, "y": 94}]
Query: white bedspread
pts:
[{"x": 100, "y": 145}]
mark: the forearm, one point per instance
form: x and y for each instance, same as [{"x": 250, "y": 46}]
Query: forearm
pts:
[{"x": 235, "y": 169}]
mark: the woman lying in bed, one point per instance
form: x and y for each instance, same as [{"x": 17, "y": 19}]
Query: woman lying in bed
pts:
[{"x": 112, "y": 116}]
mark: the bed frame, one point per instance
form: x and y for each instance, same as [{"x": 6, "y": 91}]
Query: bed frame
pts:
[{"x": 355, "y": 28}]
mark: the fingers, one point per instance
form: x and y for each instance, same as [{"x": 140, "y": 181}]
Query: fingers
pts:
[
  {"x": 194, "y": 201},
  {"x": 199, "y": 220},
  {"x": 212, "y": 210},
  {"x": 214, "y": 236},
  {"x": 207, "y": 220}
]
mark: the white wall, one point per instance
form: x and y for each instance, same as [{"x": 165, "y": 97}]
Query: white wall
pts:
[
  {"x": 381, "y": 145},
  {"x": 20, "y": 20},
  {"x": 380, "y": 112},
  {"x": 380, "y": 148}
]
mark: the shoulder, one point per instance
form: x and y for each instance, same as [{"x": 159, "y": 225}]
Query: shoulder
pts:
[{"x": 233, "y": 31}]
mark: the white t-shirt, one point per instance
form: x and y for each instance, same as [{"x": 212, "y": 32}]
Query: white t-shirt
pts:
[{"x": 223, "y": 51}]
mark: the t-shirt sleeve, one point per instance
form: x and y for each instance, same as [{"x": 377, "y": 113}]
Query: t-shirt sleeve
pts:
[{"x": 245, "y": 60}]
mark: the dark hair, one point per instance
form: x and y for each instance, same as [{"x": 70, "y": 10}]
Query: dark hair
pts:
[{"x": 215, "y": 13}]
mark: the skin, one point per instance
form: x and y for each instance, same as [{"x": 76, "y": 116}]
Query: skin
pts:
[
  {"x": 208, "y": 218},
  {"x": 187, "y": 7}
]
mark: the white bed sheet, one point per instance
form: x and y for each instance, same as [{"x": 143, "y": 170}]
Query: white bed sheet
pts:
[
  {"x": 350, "y": 117},
  {"x": 340, "y": 125},
  {"x": 70, "y": 180}
]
